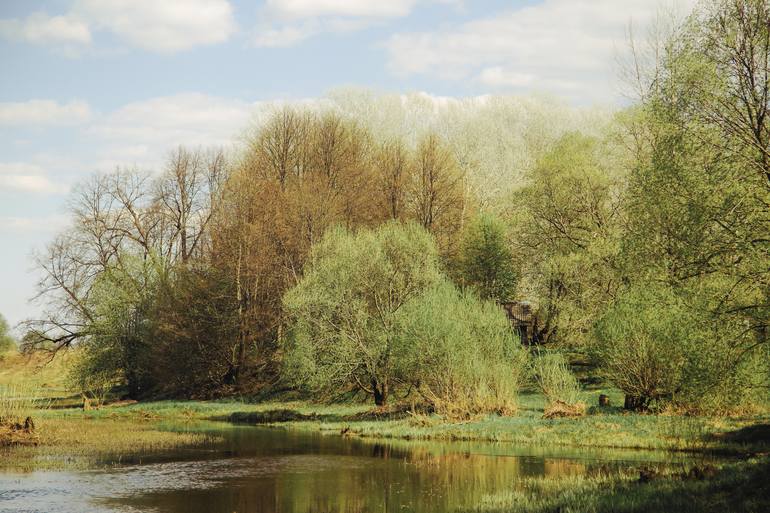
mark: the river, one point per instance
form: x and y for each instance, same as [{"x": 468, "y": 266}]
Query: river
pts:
[{"x": 270, "y": 470}]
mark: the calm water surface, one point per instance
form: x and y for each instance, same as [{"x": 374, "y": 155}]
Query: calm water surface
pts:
[{"x": 255, "y": 469}]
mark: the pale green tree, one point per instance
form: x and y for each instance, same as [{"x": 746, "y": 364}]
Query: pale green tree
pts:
[
  {"x": 565, "y": 233},
  {"x": 700, "y": 188},
  {"x": 485, "y": 263},
  {"x": 343, "y": 312}
]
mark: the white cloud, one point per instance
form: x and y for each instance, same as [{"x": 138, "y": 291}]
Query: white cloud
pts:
[
  {"x": 285, "y": 23},
  {"x": 164, "y": 26},
  {"x": 189, "y": 118},
  {"x": 285, "y": 36},
  {"x": 498, "y": 76},
  {"x": 44, "y": 112},
  {"x": 355, "y": 8},
  {"x": 39, "y": 28},
  {"x": 27, "y": 178},
  {"x": 29, "y": 183},
  {"x": 556, "y": 45},
  {"x": 143, "y": 132}
]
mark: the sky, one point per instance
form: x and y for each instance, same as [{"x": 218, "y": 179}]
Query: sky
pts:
[{"x": 89, "y": 85}]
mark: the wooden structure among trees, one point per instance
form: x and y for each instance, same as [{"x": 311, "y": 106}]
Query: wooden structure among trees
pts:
[{"x": 523, "y": 320}]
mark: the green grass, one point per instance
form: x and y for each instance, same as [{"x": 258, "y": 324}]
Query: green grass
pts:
[
  {"x": 36, "y": 369},
  {"x": 40, "y": 372},
  {"x": 609, "y": 428}
]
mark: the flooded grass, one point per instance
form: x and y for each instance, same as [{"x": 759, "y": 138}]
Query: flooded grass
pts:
[
  {"x": 132, "y": 427},
  {"x": 71, "y": 437}
]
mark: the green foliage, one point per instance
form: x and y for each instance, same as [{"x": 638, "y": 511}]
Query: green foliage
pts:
[
  {"x": 697, "y": 201},
  {"x": 93, "y": 374},
  {"x": 462, "y": 353},
  {"x": 554, "y": 378},
  {"x": 343, "y": 312},
  {"x": 661, "y": 348},
  {"x": 643, "y": 343},
  {"x": 486, "y": 261},
  {"x": 649, "y": 248},
  {"x": 566, "y": 227},
  {"x": 373, "y": 311},
  {"x": 120, "y": 334},
  {"x": 7, "y": 342}
]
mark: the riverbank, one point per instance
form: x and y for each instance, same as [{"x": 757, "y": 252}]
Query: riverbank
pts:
[
  {"x": 72, "y": 438},
  {"x": 64, "y": 429}
]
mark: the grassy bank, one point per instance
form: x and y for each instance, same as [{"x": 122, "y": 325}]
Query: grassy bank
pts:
[
  {"x": 603, "y": 427},
  {"x": 68, "y": 433},
  {"x": 68, "y": 443},
  {"x": 138, "y": 428},
  {"x": 75, "y": 438}
]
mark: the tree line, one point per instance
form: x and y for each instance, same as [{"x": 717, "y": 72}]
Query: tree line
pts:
[{"x": 362, "y": 244}]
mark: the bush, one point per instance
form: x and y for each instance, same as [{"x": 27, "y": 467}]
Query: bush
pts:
[
  {"x": 555, "y": 379},
  {"x": 92, "y": 374},
  {"x": 662, "y": 350},
  {"x": 463, "y": 354},
  {"x": 374, "y": 312}
]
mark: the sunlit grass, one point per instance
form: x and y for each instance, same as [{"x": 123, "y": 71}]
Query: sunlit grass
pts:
[
  {"x": 46, "y": 374},
  {"x": 602, "y": 428},
  {"x": 70, "y": 442},
  {"x": 17, "y": 402},
  {"x": 70, "y": 434}
]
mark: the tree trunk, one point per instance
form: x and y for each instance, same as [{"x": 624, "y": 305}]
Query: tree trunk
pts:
[
  {"x": 380, "y": 393},
  {"x": 636, "y": 403}
]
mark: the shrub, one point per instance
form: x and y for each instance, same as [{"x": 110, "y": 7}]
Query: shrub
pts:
[
  {"x": 343, "y": 312},
  {"x": 555, "y": 379},
  {"x": 374, "y": 312},
  {"x": 644, "y": 340},
  {"x": 463, "y": 354},
  {"x": 92, "y": 375}
]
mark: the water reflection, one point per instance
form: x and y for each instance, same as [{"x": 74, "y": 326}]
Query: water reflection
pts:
[{"x": 272, "y": 470}]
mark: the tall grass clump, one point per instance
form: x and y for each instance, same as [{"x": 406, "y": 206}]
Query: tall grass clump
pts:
[
  {"x": 554, "y": 378},
  {"x": 17, "y": 402}
]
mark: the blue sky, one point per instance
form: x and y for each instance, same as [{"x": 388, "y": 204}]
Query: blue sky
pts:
[{"x": 88, "y": 85}]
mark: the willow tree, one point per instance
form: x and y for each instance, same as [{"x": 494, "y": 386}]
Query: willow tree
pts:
[{"x": 343, "y": 313}]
